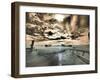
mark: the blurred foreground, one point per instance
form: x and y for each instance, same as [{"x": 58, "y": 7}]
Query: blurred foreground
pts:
[{"x": 57, "y": 55}]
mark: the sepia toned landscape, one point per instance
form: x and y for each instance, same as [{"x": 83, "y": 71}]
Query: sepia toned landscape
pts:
[{"x": 56, "y": 39}]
